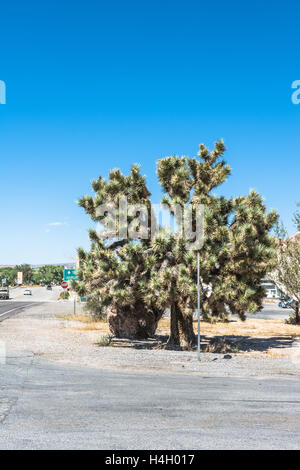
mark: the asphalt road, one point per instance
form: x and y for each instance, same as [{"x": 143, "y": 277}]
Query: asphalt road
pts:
[
  {"x": 45, "y": 405},
  {"x": 19, "y": 302},
  {"x": 272, "y": 312},
  {"x": 49, "y": 406},
  {"x": 39, "y": 294},
  {"x": 8, "y": 308}
]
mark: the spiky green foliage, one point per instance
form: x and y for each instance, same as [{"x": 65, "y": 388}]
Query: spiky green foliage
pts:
[
  {"x": 114, "y": 273},
  {"x": 138, "y": 280},
  {"x": 237, "y": 251},
  {"x": 172, "y": 285}
]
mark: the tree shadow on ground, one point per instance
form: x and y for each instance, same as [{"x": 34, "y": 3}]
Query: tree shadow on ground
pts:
[
  {"x": 236, "y": 343},
  {"x": 213, "y": 344}
]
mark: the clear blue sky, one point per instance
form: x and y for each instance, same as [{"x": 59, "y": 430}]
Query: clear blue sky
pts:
[{"x": 95, "y": 85}]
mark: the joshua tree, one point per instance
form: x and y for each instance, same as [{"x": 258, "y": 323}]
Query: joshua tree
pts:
[
  {"x": 114, "y": 273},
  {"x": 237, "y": 250},
  {"x": 136, "y": 280}
]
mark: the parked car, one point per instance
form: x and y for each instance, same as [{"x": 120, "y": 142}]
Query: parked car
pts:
[
  {"x": 27, "y": 292},
  {"x": 286, "y": 303},
  {"x": 49, "y": 287},
  {"x": 4, "y": 293}
]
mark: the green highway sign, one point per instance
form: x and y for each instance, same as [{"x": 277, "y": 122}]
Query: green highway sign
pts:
[{"x": 70, "y": 274}]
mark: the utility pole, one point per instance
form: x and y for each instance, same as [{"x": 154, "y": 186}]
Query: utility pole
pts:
[{"x": 198, "y": 289}]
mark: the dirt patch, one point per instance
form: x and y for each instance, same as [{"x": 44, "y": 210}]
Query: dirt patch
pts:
[
  {"x": 53, "y": 334},
  {"x": 253, "y": 335},
  {"x": 250, "y": 327}
]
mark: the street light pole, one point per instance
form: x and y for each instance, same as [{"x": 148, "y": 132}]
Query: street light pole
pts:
[{"x": 198, "y": 289}]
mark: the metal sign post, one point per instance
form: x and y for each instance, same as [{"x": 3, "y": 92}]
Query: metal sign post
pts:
[{"x": 198, "y": 289}]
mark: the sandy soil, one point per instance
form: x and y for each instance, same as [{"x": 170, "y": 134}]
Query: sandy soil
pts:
[{"x": 51, "y": 331}]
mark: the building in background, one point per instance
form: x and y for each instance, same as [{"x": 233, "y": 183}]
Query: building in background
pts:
[
  {"x": 272, "y": 290},
  {"x": 20, "y": 278}
]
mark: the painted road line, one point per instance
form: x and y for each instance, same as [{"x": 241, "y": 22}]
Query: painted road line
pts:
[{"x": 13, "y": 309}]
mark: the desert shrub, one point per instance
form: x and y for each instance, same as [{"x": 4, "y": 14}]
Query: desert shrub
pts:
[
  {"x": 292, "y": 320},
  {"x": 104, "y": 340},
  {"x": 65, "y": 295}
]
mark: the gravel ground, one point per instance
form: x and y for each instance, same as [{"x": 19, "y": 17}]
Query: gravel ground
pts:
[{"x": 39, "y": 332}]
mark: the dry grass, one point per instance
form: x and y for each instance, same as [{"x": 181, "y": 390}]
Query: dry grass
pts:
[
  {"x": 89, "y": 324},
  {"x": 251, "y": 327},
  {"x": 80, "y": 317},
  {"x": 272, "y": 338},
  {"x": 275, "y": 354},
  {"x": 99, "y": 326}
]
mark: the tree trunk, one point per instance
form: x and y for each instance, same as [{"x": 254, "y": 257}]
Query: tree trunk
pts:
[
  {"x": 181, "y": 329},
  {"x": 133, "y": 323},
  {"x": 186, "y": 331},
  {"x": 173, "y": 340},
  {"x": 297, "y": 317}
]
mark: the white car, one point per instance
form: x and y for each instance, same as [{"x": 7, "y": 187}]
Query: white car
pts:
[{"x": 27, "y": 292}]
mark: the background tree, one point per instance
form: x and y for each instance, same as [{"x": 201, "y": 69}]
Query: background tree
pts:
[
  {"x": 287, "y": 271},
  {"x": 296, "y": 217},
  {"x": 27, "y": 271},
  {"x": 48, "y": 274},
  {"x": 10, "y": 274}
]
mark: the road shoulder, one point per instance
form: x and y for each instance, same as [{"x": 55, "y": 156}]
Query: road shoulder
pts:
[{"x": 42, "y": 331}]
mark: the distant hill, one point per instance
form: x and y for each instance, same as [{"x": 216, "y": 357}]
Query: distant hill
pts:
[
  {"x": 34, "y": 266},
  {"x": 67, "y": 265}
]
